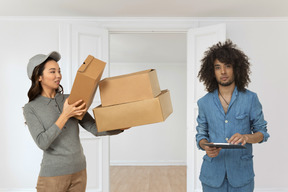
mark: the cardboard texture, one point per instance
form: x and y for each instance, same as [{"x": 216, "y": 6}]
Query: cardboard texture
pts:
[
  {"x": 134, "y": 113},
  {"x": 86, "y": 81},
  {"x": 129, "y": 88}
]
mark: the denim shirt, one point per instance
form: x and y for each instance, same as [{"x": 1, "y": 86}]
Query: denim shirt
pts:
[{"x": 244, "y": 116}]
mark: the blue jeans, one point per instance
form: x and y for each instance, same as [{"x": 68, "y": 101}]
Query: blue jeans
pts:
[{"x": 226, "y": 187}]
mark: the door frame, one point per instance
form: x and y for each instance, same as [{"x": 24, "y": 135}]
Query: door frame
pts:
[
  {"x": 148, "y": 25},
  {"x": 174, "y": 28}
]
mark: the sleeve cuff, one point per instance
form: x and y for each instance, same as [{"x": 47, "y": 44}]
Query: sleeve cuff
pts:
[
  {"x": 265, "y": 136},
  {"x": 199, "y": 139}
]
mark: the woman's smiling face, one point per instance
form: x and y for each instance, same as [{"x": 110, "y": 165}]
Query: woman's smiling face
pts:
[{"x": 51, "y": 77}]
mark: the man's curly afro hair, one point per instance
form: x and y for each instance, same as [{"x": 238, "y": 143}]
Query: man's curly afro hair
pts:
[{"x": 227, "y": 53}]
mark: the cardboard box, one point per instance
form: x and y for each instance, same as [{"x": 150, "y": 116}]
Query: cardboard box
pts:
[
  {"x": 133, "y": 114},
  {"x": 129, "y": 88},
  {"x": 86, "y": 81}
]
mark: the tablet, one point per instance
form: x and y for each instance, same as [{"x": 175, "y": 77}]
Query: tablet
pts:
[{"x": 225, "y": 145}]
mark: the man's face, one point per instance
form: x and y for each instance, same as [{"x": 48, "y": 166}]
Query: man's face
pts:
[{"x": 224, "y": 73}]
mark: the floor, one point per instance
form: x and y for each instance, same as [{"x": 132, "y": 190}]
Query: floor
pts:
[{"x": 148, "y": 178}]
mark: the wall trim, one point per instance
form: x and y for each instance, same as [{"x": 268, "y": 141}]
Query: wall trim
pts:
[
  {"x": 148, "y": 163},
  {"x": 129, "y": 19},
  {"x": 143, "y": 24},
  {"x": 271, "y": 189},
  {"x": 197, "y": 190},
  {"x": 17, "y": 190},
  {"x": 33, "y": 190},
  {"x": 261, "y": 190}
]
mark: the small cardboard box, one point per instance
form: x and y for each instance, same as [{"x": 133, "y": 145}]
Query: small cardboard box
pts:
[
  {"x": 133, "y": 114},
  {"x": 129, "y": 88},
  {"x": 86, "y": 81}
]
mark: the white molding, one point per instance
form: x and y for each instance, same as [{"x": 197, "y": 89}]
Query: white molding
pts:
[
  {"x": 261, "y": 190},
  {"x": 97, "y": 19},
  {"x": 139, "y": 19},
  {"x": 18, "y": 190},
  {"x": 241, "y": 19},
  {"x": 149, "y": 64},
  {"x": 197, "y": 190},
  {"x": 33, "y": 190},
  {"x": 147, "y": 163},
  {"x": 93, "y": 190},
  {"x": 271, "y": 190},
  {"x": 195, "y": 90},
  {"x": 65, "y": 50},
  {"x": 145, "y": 24},
  {"x": 69, "y": 45}
]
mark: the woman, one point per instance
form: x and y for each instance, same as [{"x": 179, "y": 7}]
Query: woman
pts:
[{"x": 50, "y": 121}]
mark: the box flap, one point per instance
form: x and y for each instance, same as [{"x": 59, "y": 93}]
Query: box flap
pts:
[
  {"x": 166, "y": 104},
  {"x": 86, "y": 63},
  {"x": 128, "y": 75}
]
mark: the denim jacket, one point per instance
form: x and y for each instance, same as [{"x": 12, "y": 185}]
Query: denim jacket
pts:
[{"x": 244, "y": 116}]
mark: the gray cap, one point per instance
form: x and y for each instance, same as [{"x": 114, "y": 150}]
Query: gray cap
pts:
[{"x": 40, "y": 58}]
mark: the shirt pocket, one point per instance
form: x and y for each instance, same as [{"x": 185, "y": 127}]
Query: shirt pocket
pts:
[
  {"x": 208, "y": 167},
  {"x": 242, "y": 123},
  {"x": 241, "y": 116},
  {"x": 207, "y": 158},
  {"x": 247, "y": 157},
  {"x": 246, "y": 163}
]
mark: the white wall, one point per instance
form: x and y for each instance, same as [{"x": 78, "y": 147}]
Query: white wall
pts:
[
  {"x": 265, "y": 42},
  {"x": 20, "y": 158}
]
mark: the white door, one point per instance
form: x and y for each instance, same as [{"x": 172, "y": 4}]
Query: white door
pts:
[
  {"x": 76, "y": 42},
  {"x": 198, "y": 40}
]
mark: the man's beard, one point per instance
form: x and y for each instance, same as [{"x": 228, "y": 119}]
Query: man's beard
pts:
[{"x": 226, "y": 84}]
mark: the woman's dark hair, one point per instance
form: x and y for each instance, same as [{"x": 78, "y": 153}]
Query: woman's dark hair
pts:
[
  {"x": 36, "y": 88},
  {"x": 227, "y": 53}
]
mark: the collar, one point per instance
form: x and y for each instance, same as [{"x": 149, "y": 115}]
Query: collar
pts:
[
  {"x": 218, "y": 103},
  {"x": 47, "y": 100}
]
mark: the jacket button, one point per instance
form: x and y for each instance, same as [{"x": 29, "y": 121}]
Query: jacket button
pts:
[{"x": 226, "y": 121}]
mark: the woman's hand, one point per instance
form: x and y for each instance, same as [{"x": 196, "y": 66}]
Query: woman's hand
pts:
[{"x": 75, "y": 109}]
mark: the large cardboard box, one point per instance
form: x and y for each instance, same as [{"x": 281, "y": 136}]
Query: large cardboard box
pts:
[
  {"x": 133, "y": 114},
  {"x": 129, "y": 88},
  {"x": 86, "y": 81}
]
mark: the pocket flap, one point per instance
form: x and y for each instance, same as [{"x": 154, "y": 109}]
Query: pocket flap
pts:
[
  {"x": 247, "y": 157},
  {"x": 206, "y": 157},
  {"x": 241, "y": 116}
]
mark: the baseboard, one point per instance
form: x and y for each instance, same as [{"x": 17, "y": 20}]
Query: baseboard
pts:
[
  {"x": 262, "y": 190},
  {"x": 148, "y": 163},
  {"x": 271, "y": 190},
  {"x": 17, "y": 190},
  {"x": 197, "y": 190},
  {"x": 34, "y": 190}
]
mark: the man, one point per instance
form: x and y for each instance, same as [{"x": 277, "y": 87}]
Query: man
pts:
[{"x": 228, "y": 113}]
